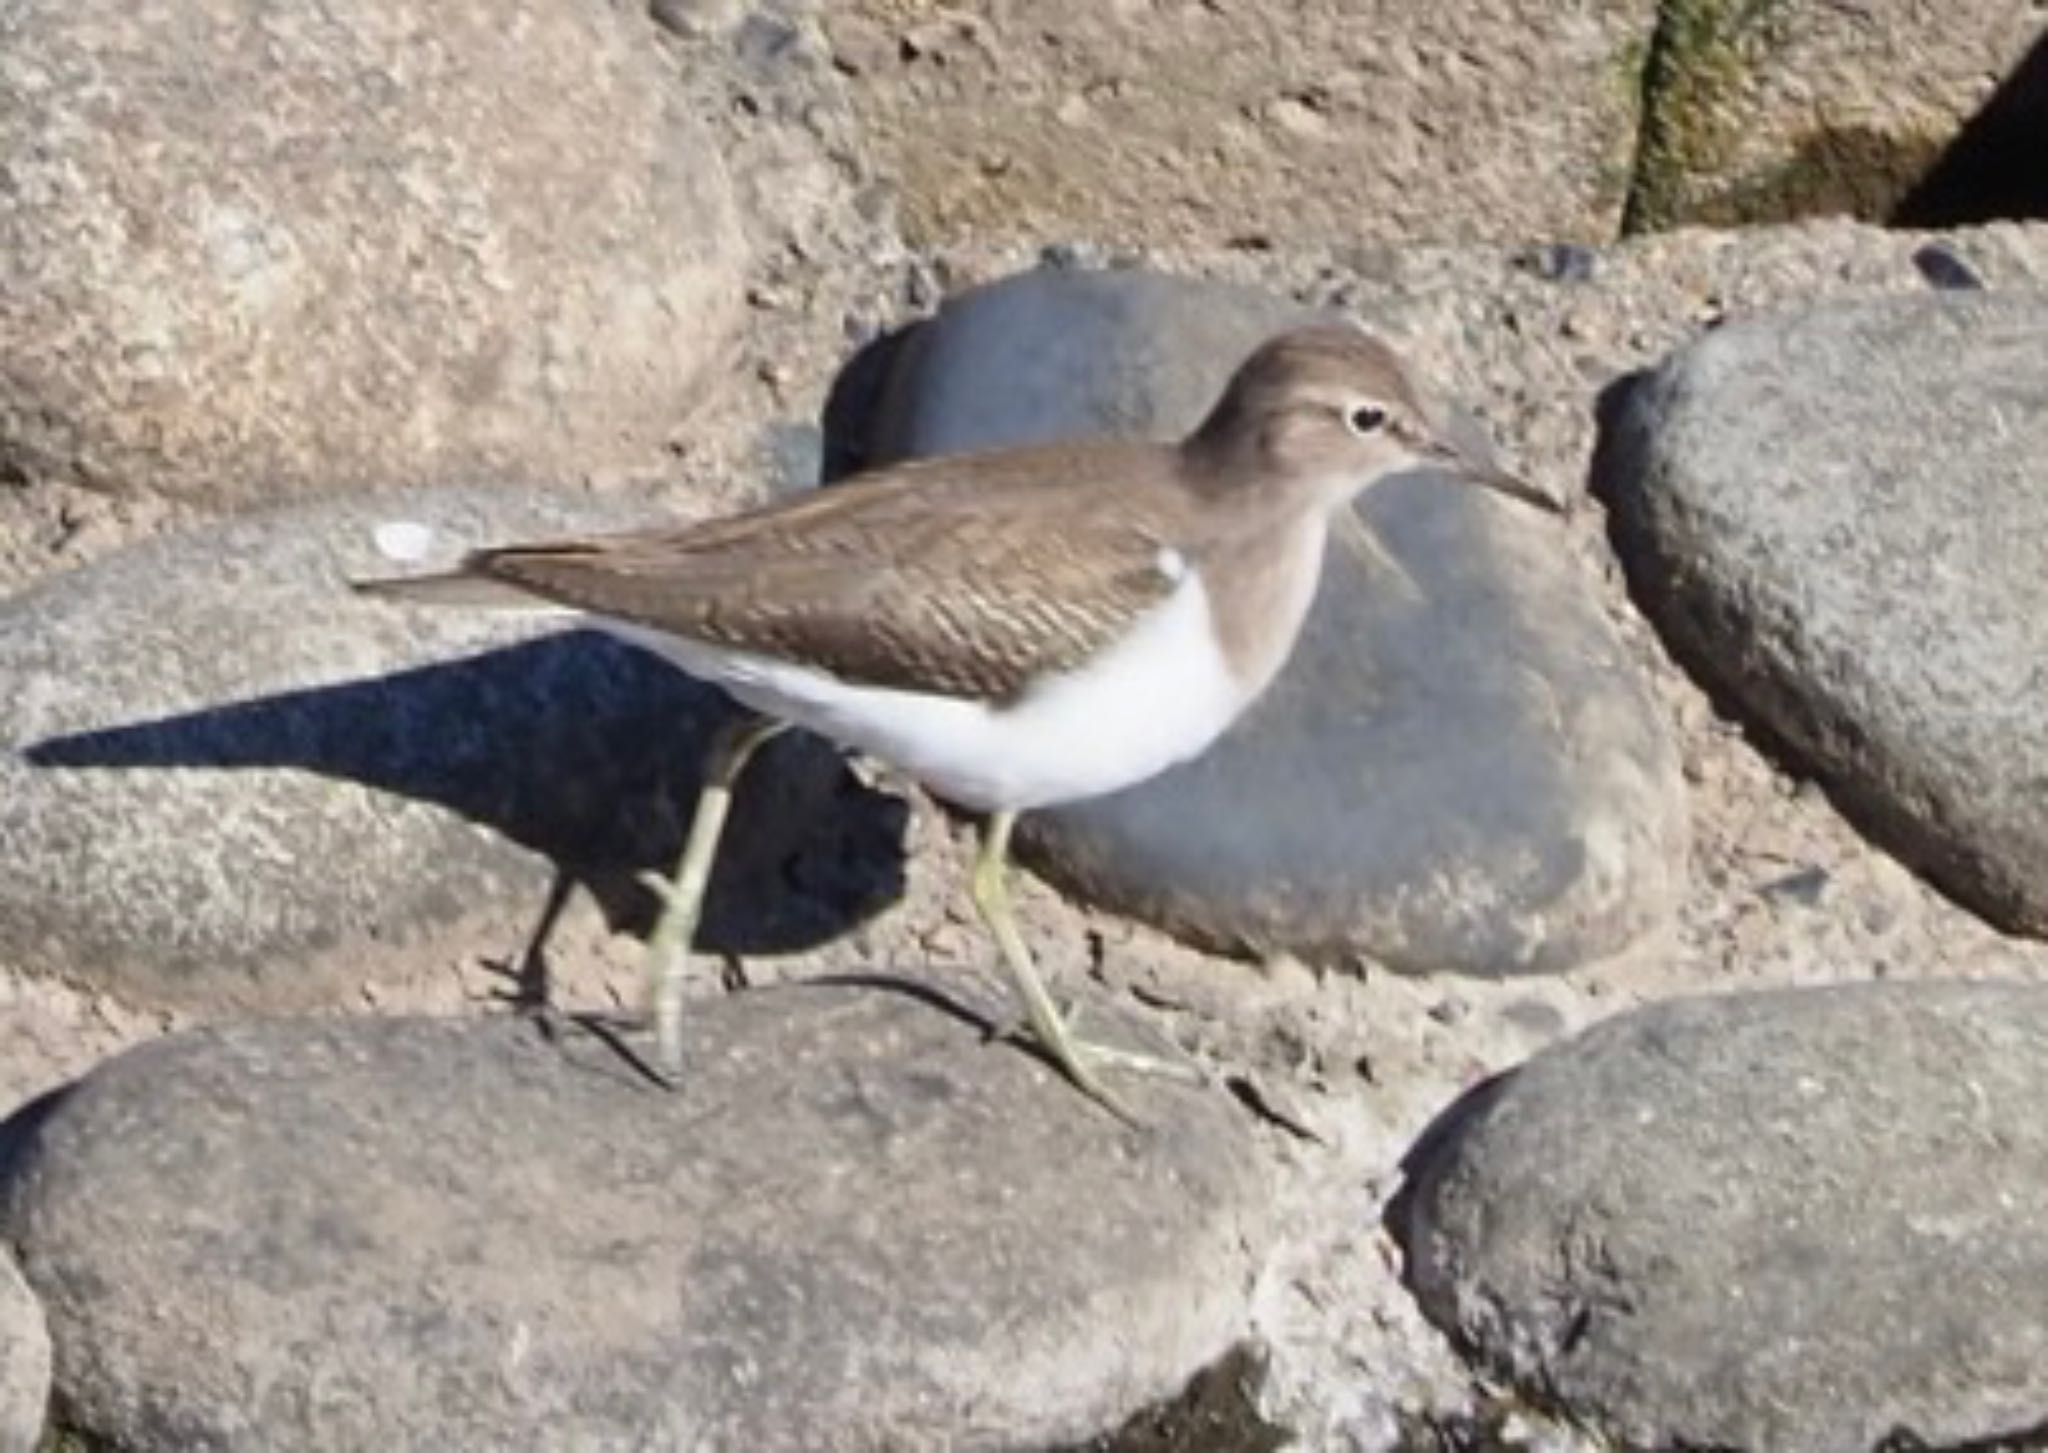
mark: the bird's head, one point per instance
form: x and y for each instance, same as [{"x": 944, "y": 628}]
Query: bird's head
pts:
[{"x": 1330, "y": 409}]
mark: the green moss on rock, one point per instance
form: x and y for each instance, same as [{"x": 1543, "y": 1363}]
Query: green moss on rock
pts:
[{"x": 1697, "y": 69}]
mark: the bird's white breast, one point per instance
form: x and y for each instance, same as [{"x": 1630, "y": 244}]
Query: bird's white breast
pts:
[{"x": 1158, "y": 696}]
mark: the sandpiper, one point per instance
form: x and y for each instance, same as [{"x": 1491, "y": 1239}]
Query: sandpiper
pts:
[{"x": 1012, "y": 629}]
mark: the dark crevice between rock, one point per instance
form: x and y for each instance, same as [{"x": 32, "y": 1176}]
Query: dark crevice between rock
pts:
[
  {"x": 1994, "y": 169},
  {"x": 2023, "y": 1440},
  {"x": 19, "y": 1129},
  {"x": 854, "y": 400},
  {"x": 1790, "y": 729},
  {"x": 1649, "y": 65},
  {"x": 1496, "y": 1426},
  {"x": 17, "y": 1132},
  {"x": 1217, "y": 1412},
  {"x": 1688, "y": 121},
  {"x": 60, "y": 1437}
]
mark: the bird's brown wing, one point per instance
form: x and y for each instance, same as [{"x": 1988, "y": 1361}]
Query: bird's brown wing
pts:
[{"x": 964, "y": 580}]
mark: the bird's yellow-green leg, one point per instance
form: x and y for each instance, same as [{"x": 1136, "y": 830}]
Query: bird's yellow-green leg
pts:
[
  {"x": 992, "y": 899},
  {"x": 682, "y": 896},
  {"x": 1041, "y": 1016}
]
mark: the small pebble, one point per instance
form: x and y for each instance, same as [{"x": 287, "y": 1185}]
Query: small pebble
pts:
[
  {"x": 1560, "y": 262},
  {"x": 1945, "y": 271}
]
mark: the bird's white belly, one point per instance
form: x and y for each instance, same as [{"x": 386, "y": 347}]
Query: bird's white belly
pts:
[{"x": 1157, "y": 697}]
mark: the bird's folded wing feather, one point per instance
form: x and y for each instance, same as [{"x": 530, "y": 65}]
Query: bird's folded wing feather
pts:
[{"x": 908, "y": 579}]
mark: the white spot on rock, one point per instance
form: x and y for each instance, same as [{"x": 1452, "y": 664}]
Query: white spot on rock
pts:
[{"x": 406, "y": 542}]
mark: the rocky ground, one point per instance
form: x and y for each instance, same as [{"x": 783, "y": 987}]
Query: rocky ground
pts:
[{"x": 1330, "y": 1068}]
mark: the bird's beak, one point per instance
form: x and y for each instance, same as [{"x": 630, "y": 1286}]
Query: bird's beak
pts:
[{"x": 1491, "y": 476}]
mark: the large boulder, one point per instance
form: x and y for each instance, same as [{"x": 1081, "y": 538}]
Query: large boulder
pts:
[
  {"x": 1835, "y": 515},
  {"x": 857, "y": 1225},
  {"x": 1795, "y": 1221},
  {"x": 250, "y": 250}
]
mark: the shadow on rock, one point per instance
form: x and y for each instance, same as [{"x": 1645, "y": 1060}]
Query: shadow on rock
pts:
[
  {"x": 580, "y": 748},
  {"x": 1992, "y": 171},
  {"x": 1428, "y": 1155},
  {"x": 856, "y": 400},
  {"x": 18, "y": 1130}
]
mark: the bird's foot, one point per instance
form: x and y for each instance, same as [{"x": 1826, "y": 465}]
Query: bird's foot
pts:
[{"x": 1051, "y": 1032}]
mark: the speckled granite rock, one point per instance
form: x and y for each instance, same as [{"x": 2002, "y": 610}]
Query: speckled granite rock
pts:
[
  {"x": 1836, "y": 515},
  {"x": 249, "y": 252},
  {"x": 1800, "y": 1221},
  {"x": 855, "y": 1226}
]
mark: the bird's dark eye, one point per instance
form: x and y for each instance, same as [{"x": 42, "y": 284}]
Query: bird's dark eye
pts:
[{"x": 1366, "y": 419}]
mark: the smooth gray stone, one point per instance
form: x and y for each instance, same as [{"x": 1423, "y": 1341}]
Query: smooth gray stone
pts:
[
  {"x": 1476, "y": 780},
  {"x": 1837, "y": 518},
  {"x": 24, "y": 1362},
  {"x": 1794, "y": 1220},
  {"x": 250, "y": 252},
  {"x": 856, "y": 1226},
  {"x": 226, "y": 782}
]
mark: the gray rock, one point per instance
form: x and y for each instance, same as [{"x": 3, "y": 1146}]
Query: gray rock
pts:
[
  {"x": 1791, "y": 1220},
  {"x": 1470, "y": 779},
  {"x": 248, "y": 252},
  {"x": 1836, "y": 517},
  {"x": 24, "y": 1362},
  {"x": 857, "y": 1225},
  {"x": 227, "y": 782}
]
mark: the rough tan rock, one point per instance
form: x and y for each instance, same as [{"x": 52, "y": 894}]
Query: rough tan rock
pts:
[
  {"x": 247, "y": 251},
  {"x": 1764, "y": 109},
  {"x": 1313, "y": 120}
]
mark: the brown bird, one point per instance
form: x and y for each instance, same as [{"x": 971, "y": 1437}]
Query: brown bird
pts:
[{"x": 1013, "y": 629}]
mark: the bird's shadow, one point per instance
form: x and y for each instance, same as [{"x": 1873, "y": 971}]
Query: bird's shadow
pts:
[
  {"x": 585, "y": 750},
  {"x": 581, "y": 748}
]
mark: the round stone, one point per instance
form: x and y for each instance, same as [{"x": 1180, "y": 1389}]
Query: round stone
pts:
[
  {"x": 250, "y": 251},
  {"x": 856, "y": 1225},
  {"x": 1793, "y": 1220},
  {"x": 1835, "y": 515}
]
